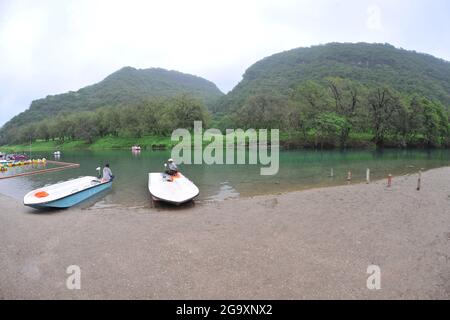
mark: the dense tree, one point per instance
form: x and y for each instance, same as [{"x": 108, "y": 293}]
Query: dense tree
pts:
[
  {"x": 43, "y": 131},
  {"x": 309, "y": 99},
  {"x": 263, "y": 111},
  {"x": 383, "y": 104},
  {"x": 435, "y": 123},
  {"x": 329, "y": 126},
  {"x": 408, "y": 120},
  {"x": 185, "y": 110},
  {"x": 346, "y": 96}
]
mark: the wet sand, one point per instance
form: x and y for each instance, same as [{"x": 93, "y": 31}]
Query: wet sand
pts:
[{"x": 314, "y": 244}]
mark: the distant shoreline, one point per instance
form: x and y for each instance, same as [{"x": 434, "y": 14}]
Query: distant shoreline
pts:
[{"x": 157, "y": 143}]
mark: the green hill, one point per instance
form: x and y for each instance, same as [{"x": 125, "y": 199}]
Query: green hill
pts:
[
  {"x": 126, "y": 87},
  {"x": 346, "y": 95},
  {"x": 408, "y": 72},
  {"x": 334, "y": 95}
]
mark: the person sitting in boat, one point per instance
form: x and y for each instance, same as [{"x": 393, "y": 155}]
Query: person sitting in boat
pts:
[
  {"x": 172, "y": 168},
  {"x": 107, "y": 173}
]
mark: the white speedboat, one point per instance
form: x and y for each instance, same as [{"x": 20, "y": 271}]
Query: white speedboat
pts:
[
  {"x": 65, "y": 194},
  {"x": 176, "y": 189}
]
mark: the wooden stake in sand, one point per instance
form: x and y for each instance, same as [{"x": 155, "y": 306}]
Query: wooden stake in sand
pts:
[
  {"x": 419, "y": 180},
  {"x": 389, "y": 180},
  {"x": 349, "y": 177},
  {"x": 368, "y": 175},
  {"x": 332, "y": 173}
]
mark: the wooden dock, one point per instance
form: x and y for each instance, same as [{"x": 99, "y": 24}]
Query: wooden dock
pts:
[{"x": 61, "y": 166}]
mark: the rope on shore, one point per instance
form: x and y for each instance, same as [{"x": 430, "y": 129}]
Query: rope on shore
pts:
[{"x": 62, "y": 166}]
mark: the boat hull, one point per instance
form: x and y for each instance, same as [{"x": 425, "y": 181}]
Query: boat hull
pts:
[
  {"x": 175, "y": 203},
  {"x": 72, "y": 199}
]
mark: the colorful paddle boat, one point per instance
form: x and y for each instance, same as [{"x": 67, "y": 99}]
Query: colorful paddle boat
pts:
[{"x": 17, "y": 157}]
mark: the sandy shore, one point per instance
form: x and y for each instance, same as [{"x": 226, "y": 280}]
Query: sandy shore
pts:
[{"x": 300, "y": 245}]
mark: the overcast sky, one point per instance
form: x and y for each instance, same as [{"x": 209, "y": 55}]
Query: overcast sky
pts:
[{"x": 53, "y": 46}]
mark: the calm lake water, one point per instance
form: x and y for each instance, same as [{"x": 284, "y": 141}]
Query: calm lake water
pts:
[{"x": 298, "y": 170}]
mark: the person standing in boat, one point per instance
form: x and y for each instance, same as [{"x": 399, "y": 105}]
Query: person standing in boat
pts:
[
  {"x": 172, "y": 168},
  {"x": 107, "y": 173}
]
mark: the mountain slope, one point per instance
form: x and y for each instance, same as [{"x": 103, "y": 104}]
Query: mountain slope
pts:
[
  {"x": 127, "y": 86},
  {"x": 370, "y": 64}
]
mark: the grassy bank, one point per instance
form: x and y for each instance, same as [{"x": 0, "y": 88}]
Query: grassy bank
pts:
[
  {"x": 295, "y": 140},
  {"x": 149, "y": 142}
]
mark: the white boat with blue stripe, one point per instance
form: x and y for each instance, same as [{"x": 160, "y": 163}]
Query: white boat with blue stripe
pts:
[{"x": 66, "y": 194}]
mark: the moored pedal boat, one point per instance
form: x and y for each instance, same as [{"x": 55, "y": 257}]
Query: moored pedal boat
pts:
[
  {"x": 175, "y": 189},
  {"x": 65, "y": 194}
]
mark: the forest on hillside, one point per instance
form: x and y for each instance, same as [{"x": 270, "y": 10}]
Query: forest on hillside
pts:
[
  {"x": 338, "y": 112},
  {"x": 336, "y": 95},
  {"x": 127, "y": 87},
  {"x": 331, "y": 113},
  {"x": 371, "y": 65},
  {"x": 158, "y": 116}
]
